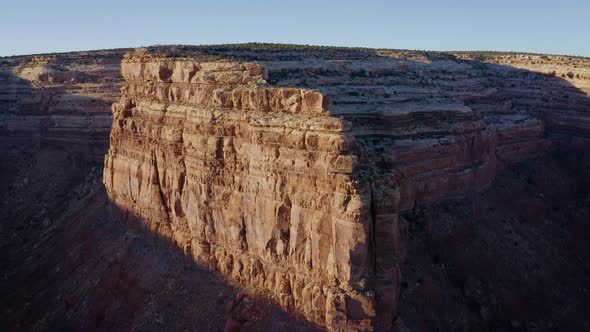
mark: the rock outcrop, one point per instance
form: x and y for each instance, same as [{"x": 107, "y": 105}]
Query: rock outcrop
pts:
[
  {"x": 286, "y": 169},
  {"x": 251, "y": 180}
]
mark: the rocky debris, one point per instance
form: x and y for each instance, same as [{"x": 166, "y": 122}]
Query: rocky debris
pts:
[
  {"x": 502, "y": 259},
  {"x": 243, "y": 313}
]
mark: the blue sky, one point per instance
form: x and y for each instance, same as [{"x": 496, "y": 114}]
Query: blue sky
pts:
[{"x": 559, "y": 26}]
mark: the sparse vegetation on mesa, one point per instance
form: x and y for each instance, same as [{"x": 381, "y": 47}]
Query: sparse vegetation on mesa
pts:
[
  {"x": 185, "y": 50},
  {"x": 511, "y": 53}
]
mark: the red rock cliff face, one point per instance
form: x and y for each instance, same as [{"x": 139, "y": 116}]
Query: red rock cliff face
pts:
[
  {"x": 296, "y": 197},
  {"x": 67, "y": 264},
  {"x": 251, "y": 180}
]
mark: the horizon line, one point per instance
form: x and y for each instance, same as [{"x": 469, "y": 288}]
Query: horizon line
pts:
[{"x": 246, "y": 44}]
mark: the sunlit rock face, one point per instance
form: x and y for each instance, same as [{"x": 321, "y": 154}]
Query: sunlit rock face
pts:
[{"x": 286, "y": 169}]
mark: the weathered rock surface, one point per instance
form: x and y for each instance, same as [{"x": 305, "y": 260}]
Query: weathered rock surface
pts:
[
  {"x": 68, "y": 265},
  {"x": 251, "y": 180},
  {"x": 286, "y": 169}
]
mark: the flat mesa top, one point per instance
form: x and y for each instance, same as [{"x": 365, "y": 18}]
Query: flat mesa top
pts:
[
  {"x": 401, "y": 91},
  {"x": 368, "y": 84}
]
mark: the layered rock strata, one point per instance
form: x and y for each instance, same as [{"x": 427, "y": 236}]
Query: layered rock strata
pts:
[
  {"x": 254, "y": 181},
  {"x": 59, "y": 100},
  {"x": 290, "y": 194}
]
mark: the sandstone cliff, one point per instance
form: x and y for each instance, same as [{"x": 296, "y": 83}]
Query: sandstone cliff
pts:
[
  {"x": 287, "y": 169},
  {"x": 68, "y": 265},
  {"x": 251, "y": 180}
]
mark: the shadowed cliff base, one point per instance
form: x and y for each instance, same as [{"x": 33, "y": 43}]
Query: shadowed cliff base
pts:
[
  {"x": 409, "y": 117},
  {"x": 84, "y": 271},
  {"x": 514, "y": 257},
  {"x": 69, "y": 266}
]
